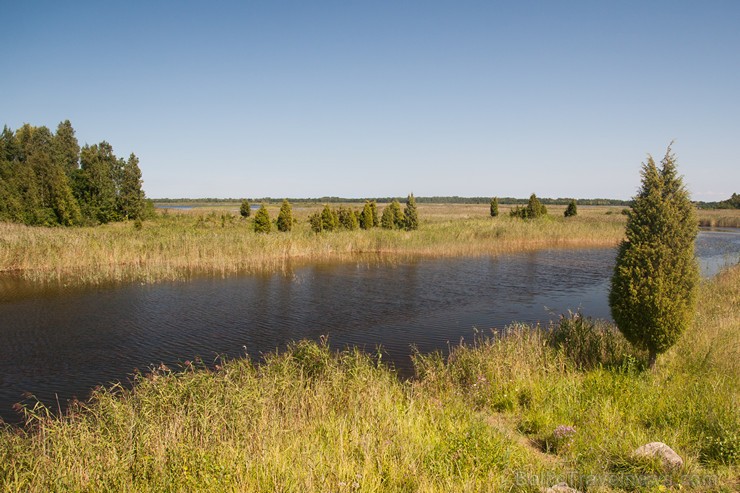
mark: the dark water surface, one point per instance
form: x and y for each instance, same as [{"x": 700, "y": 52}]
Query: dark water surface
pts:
[{"x": 56, "y": 343}]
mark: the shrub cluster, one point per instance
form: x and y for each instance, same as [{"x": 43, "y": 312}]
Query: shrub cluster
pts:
[
  {"x": 591, "y": 344},
  {"x": 533, "y": 210},
  {"x": 393, "y": 217},
  {"x": 285, "y": 217},
  {"x": 330, "y": 219},
  {"x": 245, "y": 209},
  {"x": 572, "y": 209},
  {"x": 348, "y": 218},
  {"x": 411, "y": 216},
  {"x": 494, "y": 207},
  {"x": 368, "y": 218},
  {"x": 262, "y": 223}
]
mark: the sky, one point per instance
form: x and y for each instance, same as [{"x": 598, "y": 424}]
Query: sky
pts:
[{"x": 384, "y": 98}]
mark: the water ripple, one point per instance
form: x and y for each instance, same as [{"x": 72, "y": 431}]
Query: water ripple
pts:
[{"x": 62, "y": 343}]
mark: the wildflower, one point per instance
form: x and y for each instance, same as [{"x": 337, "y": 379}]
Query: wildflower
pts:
[
  {"x": 481, "y": 380},
  {"x": 563, "y": 432}
]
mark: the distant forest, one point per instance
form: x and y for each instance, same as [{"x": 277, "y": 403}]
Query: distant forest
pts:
[
  {"x": 732, "y": 203},
  {"x": 47, "y": 179},
  {"x": 424, "y": 200}
]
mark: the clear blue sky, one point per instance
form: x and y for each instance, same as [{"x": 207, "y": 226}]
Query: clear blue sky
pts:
[{"x": 375, "y": 98}]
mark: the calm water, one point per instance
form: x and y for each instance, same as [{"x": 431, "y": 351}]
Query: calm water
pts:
[{"x": 57, "y": 344}]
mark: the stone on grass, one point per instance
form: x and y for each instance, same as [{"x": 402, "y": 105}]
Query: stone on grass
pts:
[
  {"x": 561, "y": 488},
  {"x": 669, "y": 458}
]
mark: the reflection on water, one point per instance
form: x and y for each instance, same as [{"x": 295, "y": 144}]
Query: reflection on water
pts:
[
  {"x": 61, "y": 343},
  {"x": 717, "y": 248}
]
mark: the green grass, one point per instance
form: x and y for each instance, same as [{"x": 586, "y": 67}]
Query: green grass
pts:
[
  {"x": 178, "y": 245},
  {"x": 481, "y": 419}
]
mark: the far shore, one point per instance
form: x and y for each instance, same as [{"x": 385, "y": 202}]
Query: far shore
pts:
[{"x": 215, "y": 240}]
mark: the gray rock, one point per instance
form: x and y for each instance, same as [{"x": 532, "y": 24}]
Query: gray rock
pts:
[
  {"x": 670, "y": 459},
  {"x": 561, "y": 488}
]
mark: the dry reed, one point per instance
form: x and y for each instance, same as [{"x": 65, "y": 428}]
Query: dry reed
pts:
[{"x": 177, "y": 245}]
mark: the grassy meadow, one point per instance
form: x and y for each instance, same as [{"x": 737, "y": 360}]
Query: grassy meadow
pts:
[
  {"x": 217, "y": 241},
  {"x": 515, "y": 411}
]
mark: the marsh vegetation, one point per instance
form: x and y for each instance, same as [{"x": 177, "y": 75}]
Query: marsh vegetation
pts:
[{"x": 178, "y": 244}]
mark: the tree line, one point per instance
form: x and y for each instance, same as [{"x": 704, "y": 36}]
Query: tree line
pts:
[
  {"x": 47, "y": 179},
  {"x": 534, "y": 209},
  {"x": 420, "y": 200},
  {"x": 732, "y": 203}
]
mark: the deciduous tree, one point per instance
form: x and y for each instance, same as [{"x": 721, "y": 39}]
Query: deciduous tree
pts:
[
  {"x": 57, "y": 202},
  {"x": 48, "y": 180},
  {"x": 96, "y": 183},
  {"x": 131, "y": 194}
]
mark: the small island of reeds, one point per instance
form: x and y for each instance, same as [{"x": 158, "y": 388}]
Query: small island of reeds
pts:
[{"x": 216, "y": 240}]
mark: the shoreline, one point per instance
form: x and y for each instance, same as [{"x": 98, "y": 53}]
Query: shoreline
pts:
[
  {"x": 175, "y": 246},
  {"x": 212, "y": 241}
]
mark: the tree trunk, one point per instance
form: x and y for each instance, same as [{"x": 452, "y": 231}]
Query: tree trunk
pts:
[{"x": 652, "y": 357}]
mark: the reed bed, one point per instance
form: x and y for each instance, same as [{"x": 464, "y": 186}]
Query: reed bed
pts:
[
  {"x": 719, "y": 218},
  {"x": 515, "y": 411},
  {"x": 177, "y": 245}
]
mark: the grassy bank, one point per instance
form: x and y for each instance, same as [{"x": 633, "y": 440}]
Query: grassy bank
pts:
[
  {"x": 483, "y": 419},
  {"x": 216, "y": 241}
]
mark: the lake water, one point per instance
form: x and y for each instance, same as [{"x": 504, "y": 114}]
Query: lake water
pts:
[{"x": 57, "y": 343}]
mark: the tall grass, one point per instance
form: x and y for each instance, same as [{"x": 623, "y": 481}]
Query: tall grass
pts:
[
  {"x": 217, "y": 242},
  {"x": 517, "y": 411},
  {"x": 720, "y": 218}
]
